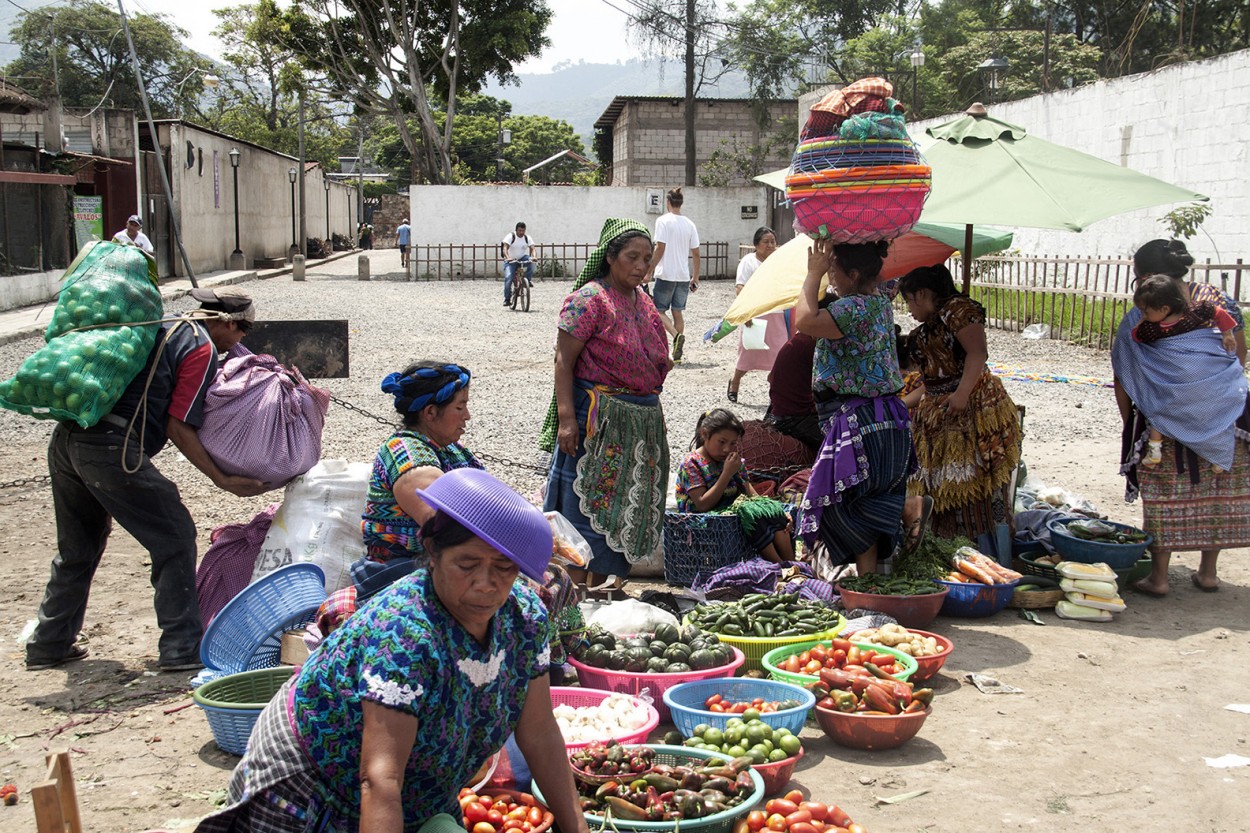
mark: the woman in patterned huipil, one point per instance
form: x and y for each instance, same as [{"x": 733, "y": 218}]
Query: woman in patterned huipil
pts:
[
  {"x": 966, "y": 427},
  {"x": 856, "y": 497},
  {"x": 1192, "y": 500},
  {"x": 397, "y": 709},
  {"x": 433, "y": 400},
  {"x": 609, "y": 472}
]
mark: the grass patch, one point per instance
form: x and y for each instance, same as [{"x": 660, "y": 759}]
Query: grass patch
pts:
[{"x": 1058, "y": 804}]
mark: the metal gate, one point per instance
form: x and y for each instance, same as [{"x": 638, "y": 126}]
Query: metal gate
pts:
[{"x": 155, "y": 211}]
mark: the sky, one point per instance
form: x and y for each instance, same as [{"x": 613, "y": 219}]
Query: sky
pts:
[{"x": 589, "y": 30}]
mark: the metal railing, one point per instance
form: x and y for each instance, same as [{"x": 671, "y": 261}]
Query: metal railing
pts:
[
  {"x": 1081, "y": 299},
  {"x": 554, "y": 261}
]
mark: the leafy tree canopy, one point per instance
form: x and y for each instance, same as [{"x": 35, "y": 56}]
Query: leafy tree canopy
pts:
[{"x": 93, "y": 61}]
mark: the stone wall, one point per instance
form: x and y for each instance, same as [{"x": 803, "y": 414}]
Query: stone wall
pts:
[{"x": 387, "y": 217}]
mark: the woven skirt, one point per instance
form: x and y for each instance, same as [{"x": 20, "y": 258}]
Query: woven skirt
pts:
[{"x": 1213, "y": 513}]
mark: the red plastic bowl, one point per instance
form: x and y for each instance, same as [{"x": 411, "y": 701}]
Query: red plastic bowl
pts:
[
  {"x": 777, "y": 775},
  {"x": 926, "y": 667},
  {"x": 908, "y": 611},
  {"x": 870, "y": 731}
]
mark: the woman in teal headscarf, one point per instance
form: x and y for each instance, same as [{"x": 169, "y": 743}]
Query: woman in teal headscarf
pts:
[{"x": 609, "y": 472}]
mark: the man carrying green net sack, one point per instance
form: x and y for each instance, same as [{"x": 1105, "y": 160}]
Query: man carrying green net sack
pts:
[{"x": 104, "y": 473}]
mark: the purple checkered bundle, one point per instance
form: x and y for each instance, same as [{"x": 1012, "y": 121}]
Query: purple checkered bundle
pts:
[{"x": 262, "y": 420}]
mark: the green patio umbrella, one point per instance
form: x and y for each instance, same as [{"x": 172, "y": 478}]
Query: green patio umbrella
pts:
[{"x": 993, "y": 172}]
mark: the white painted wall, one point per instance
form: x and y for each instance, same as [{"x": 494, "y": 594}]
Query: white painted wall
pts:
[
  {"x": 473, "y": 214},
  {"x": 1185, "y": 124}
]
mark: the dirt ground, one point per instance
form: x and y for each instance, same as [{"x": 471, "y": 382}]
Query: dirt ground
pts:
[{"x": 1110, "y": 732}]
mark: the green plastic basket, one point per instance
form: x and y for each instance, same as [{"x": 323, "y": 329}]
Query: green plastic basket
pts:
[
  {"x": 754, "y": 648},
  {"x": 233, "y": 703},
  {"x": 722, "y": 822},
  {"x": 773, "y": 657}
]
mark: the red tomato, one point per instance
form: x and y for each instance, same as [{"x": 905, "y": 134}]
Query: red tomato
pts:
[
  {"x": 756, "y": 820},
  {"x": 513, "y": 824},
  {"x": 819, "y": 811},
  {"x": 716, "y": 707},
  {"x": 528, "y": 800},
  {"x": 517, "y": 812},
  {"x": 798, "y": 816},
  {"x": 868, "y": 655},
  {"x": 466, "y": 799},
  {"x": 494, "y": 817},
  {"x": 776, "y": 823},
  {"x": 534, "y": 816},
  {"x": 526, "y": 827},
  {"x": 795, "y": 797},
  {"x": 781, "y": 806},
  {"x": 803, "y": 827},
  {"x": 474, "y": 812},
  {"x": 838, "y": 816},
  {"x": 853, "y": 656},
  {"x": 812, "y": 667},
  {"x": 791, "y": 664},
  {"x": 713, "y": 700},
  {"x": 805, "y": 657},
  {"x": 838, "y": 656},
  {"x": 483, "y": 827},
  {"x": 739, "y": 708},
  {"x": 819, "y": 652},
  {"x": 841, "y": 644}
]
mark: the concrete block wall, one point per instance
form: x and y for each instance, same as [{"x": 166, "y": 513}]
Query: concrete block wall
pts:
[
  {"x": 649, "y": 139},
  {"x": 1185, "y": 124}
]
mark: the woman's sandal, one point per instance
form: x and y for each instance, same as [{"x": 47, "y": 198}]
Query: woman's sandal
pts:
[{"x": 730, "y": 393}]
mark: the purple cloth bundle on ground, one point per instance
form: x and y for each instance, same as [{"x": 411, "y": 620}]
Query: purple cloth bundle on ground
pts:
[
  {"x": 755, "y": 575},
  {"x": 228, "y": 564},
  {"x": 262, "y": 420}
]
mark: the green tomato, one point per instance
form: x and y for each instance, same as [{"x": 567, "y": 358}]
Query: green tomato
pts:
[
  {"x": 700, "y": 729},
  {"x": 777, "y": 755},
  {"x": 72, "y": 402},
  {"x": 734, "y": 721},
  {"x": 751, "y": 716},
  {"x": 789, "y": 744},
  {"x": 735, "y": 751},
  {"x": 714, "y": 737}
]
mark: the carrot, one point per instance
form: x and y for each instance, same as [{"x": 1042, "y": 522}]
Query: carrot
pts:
[
  {"x": 972, "y": 570},
  {"x": 993, "y": 567},
  {"x": 954, "y": 575}
]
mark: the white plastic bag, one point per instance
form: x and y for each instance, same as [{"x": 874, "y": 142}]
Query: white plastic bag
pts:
[
  {"x": 570, "y": 545},
  {"x": 630, "y": 617},
  {"x": 753, "y": 336},
  {"x": 319, "y": 522},
  {"x": 1036, "y": 332}
]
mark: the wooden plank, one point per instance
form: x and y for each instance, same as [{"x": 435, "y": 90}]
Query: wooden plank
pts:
[
  {"x": 318, "y": 348},
  {"x": 32, "y": 178}
]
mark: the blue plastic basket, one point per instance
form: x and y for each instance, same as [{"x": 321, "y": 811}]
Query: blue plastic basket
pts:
[
  {"x": 685, "y": 702},
  {"x": 976, "y": 601},
  {"x": 233, "y": 703},
  {"x": 247, "y": 633},
  {"x": 1115, "y": 556}
]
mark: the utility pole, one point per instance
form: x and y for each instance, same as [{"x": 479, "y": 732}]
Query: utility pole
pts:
[
  {"x": 360, "y": 177},
  {"x": 690, "y": 158},
  {"x": 1046, "y": 51},
  {"x": 303, "y": 214}
]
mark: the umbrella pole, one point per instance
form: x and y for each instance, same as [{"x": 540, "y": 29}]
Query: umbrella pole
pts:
[{"x": 967, "y": 258}]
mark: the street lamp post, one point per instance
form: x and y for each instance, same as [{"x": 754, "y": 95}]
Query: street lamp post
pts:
[
  {"x": 992, "y": 70},
  {"x": 917, "y": 61},
  {"x": 237, "y": 261},
  {"x": 326, "y": 183},
  {"x": 209, "y": 82},
  {"x": 292, "y": 175}
]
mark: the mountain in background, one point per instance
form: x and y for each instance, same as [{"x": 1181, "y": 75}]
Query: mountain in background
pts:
[{"x": 579, "y": 93}]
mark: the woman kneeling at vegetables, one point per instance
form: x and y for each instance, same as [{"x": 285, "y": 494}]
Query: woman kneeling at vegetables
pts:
[{"x": 394, "y": 712}]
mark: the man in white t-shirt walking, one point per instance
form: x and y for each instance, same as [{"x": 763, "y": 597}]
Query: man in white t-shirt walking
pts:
[
  {"x": 676, "y": 242},
  {"x": 517, "y": 249},
  {"x": 132, "y": 235}
]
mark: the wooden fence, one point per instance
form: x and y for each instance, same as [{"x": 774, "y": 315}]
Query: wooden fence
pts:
[
  {"x": 1081, "y": 299},
  {"x": 554, "y": 261}
]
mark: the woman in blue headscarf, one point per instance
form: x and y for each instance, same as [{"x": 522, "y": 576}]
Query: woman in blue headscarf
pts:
[{"x": 433, "y": 399}]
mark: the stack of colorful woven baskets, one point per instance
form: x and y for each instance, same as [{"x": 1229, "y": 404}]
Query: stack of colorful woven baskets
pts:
[{"x": 856, "y": 175}]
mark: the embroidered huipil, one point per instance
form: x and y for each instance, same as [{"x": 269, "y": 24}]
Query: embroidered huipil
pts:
[
  {"x": 404, "y": 650},
  {"x": 698, "y": 471},
  {"x": 626, "y": 347}
]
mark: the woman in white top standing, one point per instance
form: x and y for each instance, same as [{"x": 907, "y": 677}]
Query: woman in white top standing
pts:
[{"x": 777, "y": 329}]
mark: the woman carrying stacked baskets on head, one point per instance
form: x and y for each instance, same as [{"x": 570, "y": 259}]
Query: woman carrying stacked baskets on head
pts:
[
  {"x": 966, "y": 428},
  {"x": 400, "y": 706},
  {"x": 856, "y": 182},
  {"x": 609, "y": 472},
  {"x": 1193, "y": 392}
]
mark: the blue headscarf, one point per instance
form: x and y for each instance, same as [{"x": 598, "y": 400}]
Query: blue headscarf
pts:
[{"x": 433, "y": 385}]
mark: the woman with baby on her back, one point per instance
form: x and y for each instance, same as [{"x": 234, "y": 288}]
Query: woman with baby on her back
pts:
[{"x": 1181, "y": 390}]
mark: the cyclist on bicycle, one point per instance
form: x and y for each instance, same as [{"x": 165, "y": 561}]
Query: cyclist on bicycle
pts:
[{"x": 516, "y": 249}]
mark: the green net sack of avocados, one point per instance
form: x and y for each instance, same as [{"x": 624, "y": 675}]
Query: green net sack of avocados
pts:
[{"x": 106, "y": 321}]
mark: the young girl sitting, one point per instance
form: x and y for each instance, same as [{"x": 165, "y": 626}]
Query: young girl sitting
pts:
[
  {"x": 710, "y": 479},
  {"x": 1165, "y": 313}
]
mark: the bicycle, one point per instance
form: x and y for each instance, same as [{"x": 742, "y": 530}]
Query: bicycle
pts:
[{"x": 520, "y": 284}]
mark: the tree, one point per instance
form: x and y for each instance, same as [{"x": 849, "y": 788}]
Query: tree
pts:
[
  {"x": 779, "y": 43},
  {"x": 406, "y": 58},
  {"x": 92, "y": 60},
  {"x": 258, "y": 98},
  {"x": 476, "y": 143}
]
